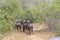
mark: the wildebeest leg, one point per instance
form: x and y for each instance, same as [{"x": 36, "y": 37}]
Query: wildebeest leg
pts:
[
  {"x": 23, "y": 28},
  {"x": 20, "y": 28},
  {"x": 17, "y": 28},
  {"x": 32, "y": 28},
  {"x": 29, "y": 31}
]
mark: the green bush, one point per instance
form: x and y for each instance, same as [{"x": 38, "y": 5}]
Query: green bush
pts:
[
  {"x": 11, "y": 9},
  {"x": 33, "y": 13},
  {"x": 58, "y": 33}
]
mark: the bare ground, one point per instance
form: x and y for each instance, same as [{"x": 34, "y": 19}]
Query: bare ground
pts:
[{"x": 37, "y": 34}]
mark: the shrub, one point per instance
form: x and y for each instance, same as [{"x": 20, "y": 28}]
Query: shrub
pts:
[{"x": 9, "y": 9}]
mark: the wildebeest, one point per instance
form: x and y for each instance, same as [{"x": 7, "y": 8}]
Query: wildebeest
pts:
[
  {"x": 27, "y": 25},
  {"x": 18, "y": 24}
]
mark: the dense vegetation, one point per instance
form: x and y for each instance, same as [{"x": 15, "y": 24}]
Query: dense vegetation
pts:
[
  {"x": 9, "y": 9},
  {"x": 40, "y": 12}
]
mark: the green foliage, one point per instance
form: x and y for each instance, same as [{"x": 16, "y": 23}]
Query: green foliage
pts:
[
  {"x": 10, "y": 9},
  {"x": 58, "y": 33},
  {"x": 5, "y": 26},
  {"x": 34, "y": 14}
]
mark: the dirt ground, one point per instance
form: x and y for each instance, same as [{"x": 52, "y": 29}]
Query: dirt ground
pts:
[{"x": 37, "y": 34}]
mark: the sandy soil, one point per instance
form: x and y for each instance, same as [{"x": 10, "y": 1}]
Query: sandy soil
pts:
[{"x": 37, "y": 35}]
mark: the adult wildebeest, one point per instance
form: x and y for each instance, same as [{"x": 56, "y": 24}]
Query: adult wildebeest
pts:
[
  {"x": 27, "y": 25},
  {"x": 18, "y": 24}
]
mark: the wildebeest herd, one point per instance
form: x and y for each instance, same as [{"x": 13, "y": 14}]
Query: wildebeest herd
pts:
[{"x": 24, "y": 24}]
